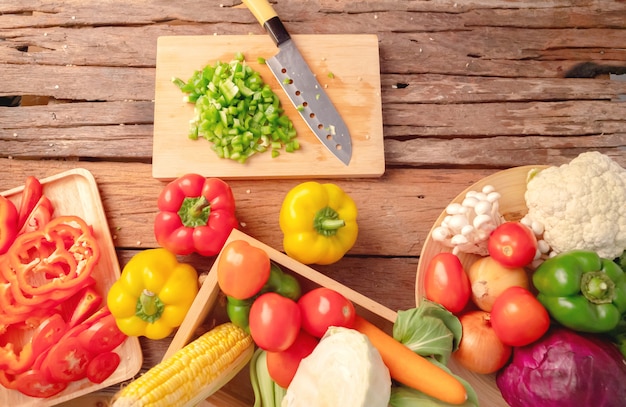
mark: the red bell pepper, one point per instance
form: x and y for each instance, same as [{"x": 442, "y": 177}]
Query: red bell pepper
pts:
[
  {"x": 196, "y": 215},
  {"x": 46, "y": 267},
  {"x": 8, "y": 223},
  {"x": 33, "y": 191}
]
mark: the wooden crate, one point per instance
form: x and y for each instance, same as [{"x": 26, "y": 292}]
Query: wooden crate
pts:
[{"x": 208, "y": 310}]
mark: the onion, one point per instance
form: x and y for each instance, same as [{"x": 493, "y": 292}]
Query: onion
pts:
[
  {"x": 480, "y": 349},
  {"x": 489, "y": 279}
]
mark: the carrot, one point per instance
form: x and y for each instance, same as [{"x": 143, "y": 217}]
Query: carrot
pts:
[{"x": 411, "y": 369}]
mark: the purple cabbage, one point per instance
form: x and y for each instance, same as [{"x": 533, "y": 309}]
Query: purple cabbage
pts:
[{"x": 563, "y": 369}]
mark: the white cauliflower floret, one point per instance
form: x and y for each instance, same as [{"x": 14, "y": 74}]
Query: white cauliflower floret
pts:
[{"x": 581, "y": 205}]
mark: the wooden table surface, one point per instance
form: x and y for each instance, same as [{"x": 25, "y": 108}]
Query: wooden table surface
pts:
[{"x": 468, "y": 88}]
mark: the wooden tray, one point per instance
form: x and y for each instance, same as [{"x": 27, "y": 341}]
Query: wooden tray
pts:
[
  {"x": 511, "y": 184},
  {"x": 75, "y": 192},
  {"x": 354, "y": 90},
  {"x": 209, "y": 307}
]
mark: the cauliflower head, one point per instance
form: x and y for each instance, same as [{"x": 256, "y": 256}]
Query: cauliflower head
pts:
[{"x": 582, "y": 205}]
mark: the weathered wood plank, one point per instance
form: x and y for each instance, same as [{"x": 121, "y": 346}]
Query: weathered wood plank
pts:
[
  {"x": 507, "y": 118},
  {"x": 401, "y": 205},
  {"x": 500, "y": 152}
]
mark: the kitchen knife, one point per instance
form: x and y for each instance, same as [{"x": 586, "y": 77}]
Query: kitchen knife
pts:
[{"x": 301, "y": 85}]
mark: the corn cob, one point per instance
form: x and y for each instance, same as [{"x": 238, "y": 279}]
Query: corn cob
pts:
[{"x": 193, "y": 373}]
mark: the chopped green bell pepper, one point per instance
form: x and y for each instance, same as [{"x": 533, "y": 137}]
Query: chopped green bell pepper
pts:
[{"x": 582, "y": 291}]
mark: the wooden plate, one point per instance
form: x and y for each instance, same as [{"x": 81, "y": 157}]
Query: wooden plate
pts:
[
  {"x": 354, "y": 88},
  {"x": 511, "y": 184},
  {"x": 75, "y": 192}
]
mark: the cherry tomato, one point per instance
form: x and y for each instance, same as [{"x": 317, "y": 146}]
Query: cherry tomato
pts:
[
  {"x": 35, "y": 384},
  {"x": 447, "y": 283},
  {"x": 67, "y": 360},
  {"x": 512, "y": 244},
  {"x": 102, "y": 366},
  {"x": 518, "y": 318},
  {"x": 102, "y": 336},
  {"x": 323, "y": 307},
  {"x": 274, "y": 322},
  {"x": 282, "y": 365}
]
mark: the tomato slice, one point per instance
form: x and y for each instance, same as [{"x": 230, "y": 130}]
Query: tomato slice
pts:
[
  {"x": 102, "y": 366},
  {"x": 102, "y": 336},
  {"x": 88, "y": 302},
  {"x": 35, "y": 384},
  {"x": 67, "y": 360},
  {"x": 48, "y": 333}
]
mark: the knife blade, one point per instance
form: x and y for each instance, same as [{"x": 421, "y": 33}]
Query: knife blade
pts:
[{"x": 301, "y": 86}]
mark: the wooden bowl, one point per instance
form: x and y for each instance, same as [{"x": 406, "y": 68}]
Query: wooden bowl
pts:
[
  {"x": 511, "y": 184},
  {"x": 208, "y": 310}
]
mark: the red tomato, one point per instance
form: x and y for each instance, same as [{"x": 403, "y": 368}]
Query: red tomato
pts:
[
  {"x": 447, "y": 283},
  {"x": 323, "y": 307},
  {"x": 518, "y": 318},
  {"x": 512, "y": 244},
  {"x": 282, "y": 366},
  {"x": 67, "y": 360},
  {"x": 102, "y": 366},
  {"x": 35, "y": 384},
  {"x": 274, "y": 322},
  {"x": 48, "y": 333},
  {"x": 102, "y": 336},
  {"x": 242, "y": 269}
]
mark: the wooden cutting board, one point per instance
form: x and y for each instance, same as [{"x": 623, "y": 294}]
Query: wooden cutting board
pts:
[{"x": 347, "y": 66}]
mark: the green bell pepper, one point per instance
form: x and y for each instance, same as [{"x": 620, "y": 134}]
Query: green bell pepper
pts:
[
  {"x": 238, "y": 311},
  {"x": 582, "y": 291}
]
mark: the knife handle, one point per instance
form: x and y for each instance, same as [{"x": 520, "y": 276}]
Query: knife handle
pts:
[{"x": 267, "y": 17}]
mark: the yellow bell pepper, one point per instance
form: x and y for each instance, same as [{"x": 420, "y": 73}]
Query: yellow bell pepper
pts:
[
  {"x": 153, "y": 294},
  {"x": 318, "y": 222}
]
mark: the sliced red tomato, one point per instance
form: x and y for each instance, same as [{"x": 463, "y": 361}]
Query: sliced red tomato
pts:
[
  {"x": 67, "y": 361},
  {"x": 102, "y": 336},
  {"x": 35, "y": 384},
  {"x": 89, "y": 300},
  {"x": 39, "y": 216},
  {"x": 323, "y": 307},
  {"x": 102, "y": 366},
  {"x": 32, "y": 193},
  {"x": 48, "y": 333}
]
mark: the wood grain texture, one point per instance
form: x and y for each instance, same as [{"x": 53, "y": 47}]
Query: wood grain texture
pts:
[{"x": 467, "y": 88}]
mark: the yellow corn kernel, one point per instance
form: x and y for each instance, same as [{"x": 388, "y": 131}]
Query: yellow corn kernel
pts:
[{"x": 193, "y": 373}]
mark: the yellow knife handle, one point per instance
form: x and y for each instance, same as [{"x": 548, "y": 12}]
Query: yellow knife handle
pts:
[
  {"x": 267, "y": 17},
  {"x": 261, "y": 9}
]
